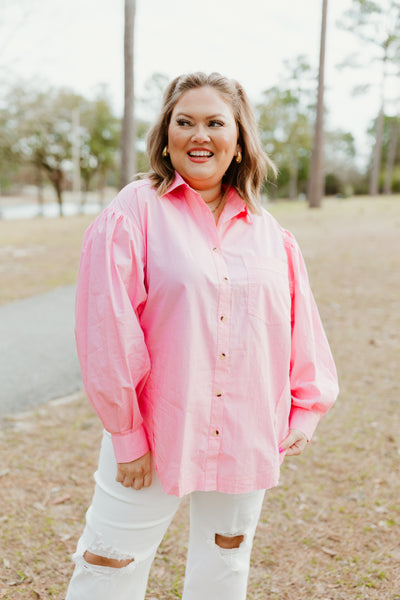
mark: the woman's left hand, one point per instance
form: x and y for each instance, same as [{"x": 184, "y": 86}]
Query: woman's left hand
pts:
[{"x": 294, "y": 443}]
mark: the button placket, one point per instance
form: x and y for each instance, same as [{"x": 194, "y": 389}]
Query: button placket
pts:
[{"x": 221, "y": 368}]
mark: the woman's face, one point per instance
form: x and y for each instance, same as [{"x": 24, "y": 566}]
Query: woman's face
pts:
[{"x": 202, "y": 137}]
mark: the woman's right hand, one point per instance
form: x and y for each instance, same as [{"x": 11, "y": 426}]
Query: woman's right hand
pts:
[{"x": 136, "y": 474}]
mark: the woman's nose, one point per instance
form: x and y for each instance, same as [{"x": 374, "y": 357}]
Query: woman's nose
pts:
[{"x": 200, "y": 134}]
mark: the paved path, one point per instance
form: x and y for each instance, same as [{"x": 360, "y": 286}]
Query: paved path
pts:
[{"x": 38, "y": 360}]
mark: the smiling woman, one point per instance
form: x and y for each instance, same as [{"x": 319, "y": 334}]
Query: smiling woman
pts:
[
  {"x": 202, "y": 141},
  {"x": 201, "y": 350},
  {"x": 217, "y": 100}
]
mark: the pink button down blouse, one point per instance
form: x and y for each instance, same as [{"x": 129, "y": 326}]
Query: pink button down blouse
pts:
[{"x": 201, "y": 342}]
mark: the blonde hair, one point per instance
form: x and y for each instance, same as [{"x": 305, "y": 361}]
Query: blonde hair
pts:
[{"x": 247, "y": 176}]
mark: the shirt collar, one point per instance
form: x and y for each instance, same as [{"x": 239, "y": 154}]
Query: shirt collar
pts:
[
  {"x": 177, "y": 182},
  {"x": 235, "y": 205}
]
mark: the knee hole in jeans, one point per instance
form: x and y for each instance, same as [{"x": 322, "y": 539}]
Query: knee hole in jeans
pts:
[
  {"x": 228, "y": 542},
  {"x": 102, "y": 561}
]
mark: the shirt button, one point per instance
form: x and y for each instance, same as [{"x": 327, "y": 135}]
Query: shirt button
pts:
[
  {"x": 222, "y": 355},
  {"x": 226, "y": 278},
  {"x": 218, "y": 394},
  {"x": 215, "y": 249},
  {"x": 223, "y": 318},
  {"x": 216, "y": 433}
]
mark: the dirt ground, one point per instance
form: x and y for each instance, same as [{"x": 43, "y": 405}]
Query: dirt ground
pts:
[
  {"x": 38, "y": 255},
  {"x": 330, "y": 530}
]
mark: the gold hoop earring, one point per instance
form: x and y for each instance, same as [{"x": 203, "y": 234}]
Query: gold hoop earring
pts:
[
  {"x": 239, "y": 157},
  {"x": 165, "y": 152}
]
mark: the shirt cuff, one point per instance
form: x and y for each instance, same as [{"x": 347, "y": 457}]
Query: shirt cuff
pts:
[
  {"x": 304, "y": 420},
  {"x": 130, "y": 446}
]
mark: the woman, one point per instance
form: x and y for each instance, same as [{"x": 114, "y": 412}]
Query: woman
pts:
[{"x": 201, "y": 350}]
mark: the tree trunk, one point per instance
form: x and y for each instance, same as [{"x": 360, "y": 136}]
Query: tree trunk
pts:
[
  {"x": 58, "y": 184},
  {"x": 391, "y": 158},
  {"x": 128, "y": 137},
  {"x": 316, "y": 182},
  {"x": 83, "y": 194},
  {"x": 76, "y": 170},
  {"x": 39, "y": 184},
  {"x": 294, "y": 172},
  {"x": 102, "y": 187},
  {"x": 377, "y": 155},
  {"x": 56, "y": 177}
]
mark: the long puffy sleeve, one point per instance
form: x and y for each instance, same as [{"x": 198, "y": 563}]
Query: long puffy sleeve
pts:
[
  {"x": 314, "y": 386},
  {"x": 110, "y": 342}
]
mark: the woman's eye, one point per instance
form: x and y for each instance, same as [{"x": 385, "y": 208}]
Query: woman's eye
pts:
[
  {"x": 215, "y": 123},
  {"x": 183, "y": 122}
]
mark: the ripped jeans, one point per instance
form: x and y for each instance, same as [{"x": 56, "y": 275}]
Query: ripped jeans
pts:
[{"x": 127, "y": 524}]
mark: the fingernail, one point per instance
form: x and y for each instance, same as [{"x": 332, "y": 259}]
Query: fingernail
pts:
[{"x": 281, "y": 450}]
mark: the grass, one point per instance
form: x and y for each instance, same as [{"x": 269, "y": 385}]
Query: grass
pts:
[
  {"x": 329, "y": 531},
  {"x": 38, "y": 255}
]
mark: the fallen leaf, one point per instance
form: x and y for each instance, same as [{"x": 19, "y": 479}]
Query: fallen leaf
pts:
[
  {"x": 60, "y": 499},
  {"x": 328, "y": 551}
]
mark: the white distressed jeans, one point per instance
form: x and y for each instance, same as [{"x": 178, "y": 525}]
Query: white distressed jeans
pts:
[{"x": 124, "y": 523}]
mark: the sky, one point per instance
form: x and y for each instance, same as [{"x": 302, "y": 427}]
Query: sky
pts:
[{"x": 79, "y": 44}]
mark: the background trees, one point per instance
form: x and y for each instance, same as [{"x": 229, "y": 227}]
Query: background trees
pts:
[
  {"x": 128, "y": 136},
  {"x": 100, "y": 139},
  {"x": 285, "y": 124},
  {"x": 39, "y": 142},
  {"x": 39, "y": 138},
  {"x": 316, "y": 185},
  {"x": 40, "y": 125},
  {"x": 377, "y": 25}
]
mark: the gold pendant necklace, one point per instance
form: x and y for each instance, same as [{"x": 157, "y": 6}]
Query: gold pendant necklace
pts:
[{"x": 213, "y": 210}]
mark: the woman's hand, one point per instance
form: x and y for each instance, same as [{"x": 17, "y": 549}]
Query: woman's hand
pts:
[
  {"x": 294, "y": 443},
  {"x": 136, "y": 474}
]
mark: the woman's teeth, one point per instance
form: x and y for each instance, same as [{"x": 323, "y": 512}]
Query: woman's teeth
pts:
[{"x": 200, "y": 153}]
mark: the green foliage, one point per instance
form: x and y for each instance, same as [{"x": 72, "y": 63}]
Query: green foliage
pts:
[
  {"x": 40, "y": 130},
  {"x": 286, "y": 122},
  {"x": 100, "y": 138},
  {"x": 285, "y": 119},
  {"x": 377, "y": 25},
  {"x": 37, "y": 135},
  {"x": 391, "y": 126},
  {"x": 40, "y": 133},
  {"x": 341, "y": 173},
  {"x": 8, "y": 158},
  {"x": 391, "y": 136},
  {"x": 332, "y": 184}
]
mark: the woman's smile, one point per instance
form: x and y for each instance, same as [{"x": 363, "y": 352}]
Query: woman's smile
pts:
[{"x": 200, "y": 155}]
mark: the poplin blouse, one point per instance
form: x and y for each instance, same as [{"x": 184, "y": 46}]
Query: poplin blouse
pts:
[{"x": 200, "y": 342}]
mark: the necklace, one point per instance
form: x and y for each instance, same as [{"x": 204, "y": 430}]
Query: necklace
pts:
[{"x": 216, "y": 204}]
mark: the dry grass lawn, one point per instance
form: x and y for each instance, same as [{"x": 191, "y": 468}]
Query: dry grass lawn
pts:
[
  {"x": 330, "y": 530},
  {"x": 38, "y": 255}
]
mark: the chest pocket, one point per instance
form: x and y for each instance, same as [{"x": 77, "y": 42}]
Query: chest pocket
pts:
[{"x": 268, "y": 289}]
